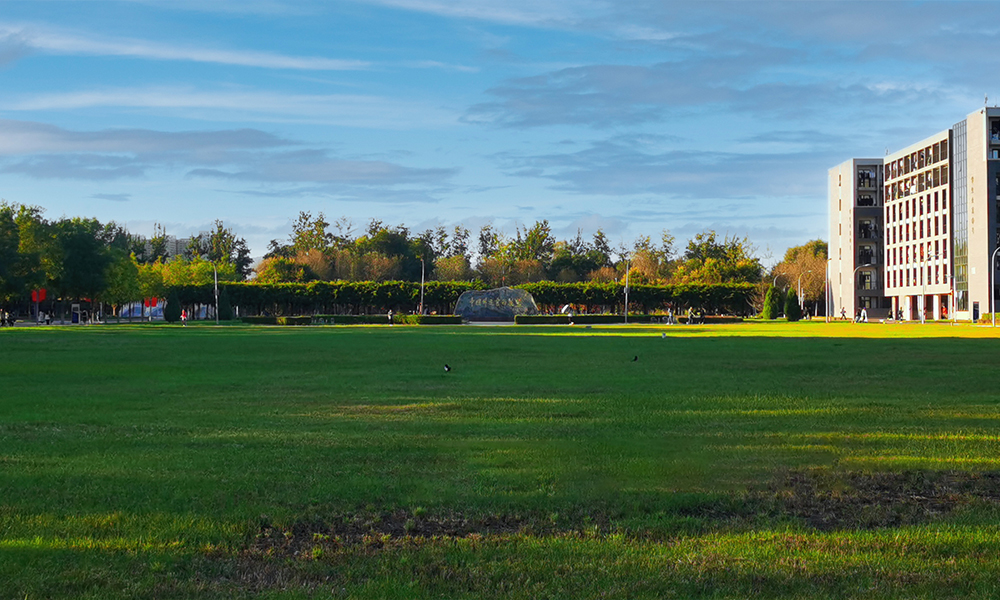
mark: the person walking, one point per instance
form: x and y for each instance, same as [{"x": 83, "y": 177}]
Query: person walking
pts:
[
  {"x": 390, "y": 317},
  {"x": 184, "y": 317}
]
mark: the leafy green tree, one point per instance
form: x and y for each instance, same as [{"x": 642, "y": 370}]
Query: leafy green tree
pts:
[
  {"x": 85, "y": 258},
  {"x": 708, "y": 260},
  {"x": 310, "y": 233},
  {"x": 122, "y": 281},
  {"x": 223, "y": 247},
  {"x": 490, "y": 241},
  {"x": 150, "y": 276},
  {"x": 40, "y": 251},
  {"x": 13, "y": 275},
  {"x": 793, "y": 311},
  {"x": 459, "y": 243},
  {"x": 157, "y": 247}
]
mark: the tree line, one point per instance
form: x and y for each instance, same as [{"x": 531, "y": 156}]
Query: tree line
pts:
[{"x": 81, "y": 258}]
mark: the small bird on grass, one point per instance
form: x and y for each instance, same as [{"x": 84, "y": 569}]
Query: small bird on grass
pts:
[
  {"x": 635, "y": 359},
  {"x": 446, "y": 368}
]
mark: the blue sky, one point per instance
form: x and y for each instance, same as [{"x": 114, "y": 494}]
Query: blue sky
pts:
[{"x": 629, "y": 116}]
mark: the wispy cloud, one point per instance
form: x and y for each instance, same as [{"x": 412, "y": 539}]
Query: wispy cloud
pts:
[
  {"x": 113, "y": 197},
  {"x": 250, "y": 105},
  {"x": 319, "y": 166},
  {"x": 511, "y": 12},
  {"x": 622, "y": 166},
  {"x": 27, "y": 137},
  {"x": 13, "y": 46},
  {"x": 62, "y": 42},
  {"x": 42, "y": 151}
]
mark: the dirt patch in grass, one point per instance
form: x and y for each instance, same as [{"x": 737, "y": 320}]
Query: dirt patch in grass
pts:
[
  {"x": 828, "y": 500},
  {"x": 314, "y": 537},
  {"x": 822, "y": 499}
]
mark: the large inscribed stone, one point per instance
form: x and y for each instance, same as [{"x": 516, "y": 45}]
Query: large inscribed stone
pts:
[{"x": 500, "y": 304}]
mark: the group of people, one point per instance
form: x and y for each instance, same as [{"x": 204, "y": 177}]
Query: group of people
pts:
[
  {"x": 6, "y": 319},
  {"x": 860, "y": 315}
]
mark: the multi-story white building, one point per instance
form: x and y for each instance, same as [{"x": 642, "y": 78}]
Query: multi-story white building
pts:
[{"x": 921, "y": 245}]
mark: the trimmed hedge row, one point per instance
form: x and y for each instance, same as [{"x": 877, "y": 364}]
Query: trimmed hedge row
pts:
[
  {"x": 719, "y": 298},
  {"x": 366, "y": 297},
  {"x": 611, "y": 319},
  {"x": 427, "y": 319},
  {"x": 350, "y": 319},
  {"x": 277, "y": 320},
  {"x": 384, "y": 319},
  {"x": 541, "y": 319}
]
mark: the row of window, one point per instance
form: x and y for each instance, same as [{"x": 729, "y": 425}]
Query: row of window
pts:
[
  {"x": 912, "y": 253},
  {"x": 917, "y": 183},
  {"x": 918, "y": 230},
  {"x": 917, "y": 160},
  {"x": 935, "y": 275},
  {"x": 917, "y": 206}
]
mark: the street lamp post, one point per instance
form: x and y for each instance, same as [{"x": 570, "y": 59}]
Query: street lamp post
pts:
[
  {"x": 826, "y": 290},
  {"x": 215, "y": 272},
  {"x": 993, "y": 262},
  {"x": 421, "y": 309},
  {"x": 628, "y": 267},
  {"x": 799, "y": 286}
]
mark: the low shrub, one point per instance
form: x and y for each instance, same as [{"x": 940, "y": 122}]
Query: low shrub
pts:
[
  {"x": 541, "y": 319},
  {"x": 277, "y": 320},
  {"x": 351, "y": 319},
  {"x": 427, "y": 319},
  {"x": 294, "y": 320}
]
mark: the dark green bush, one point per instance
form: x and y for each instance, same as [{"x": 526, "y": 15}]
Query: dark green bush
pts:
[
  {"x": 225, "y": 307},
  {"x": 260, "y": 320},
  {"x": 172, "y": 310},
  {"x": 356, "y": 297},
  {"x": 772, "y": 308},
  {"x": 793, "y": 312}
]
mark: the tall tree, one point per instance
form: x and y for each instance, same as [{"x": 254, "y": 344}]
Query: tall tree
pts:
[
  {"x": 310, "y": 233},
  {"x": 12, "y": 269},
  {"x": 85, "y": 258}
]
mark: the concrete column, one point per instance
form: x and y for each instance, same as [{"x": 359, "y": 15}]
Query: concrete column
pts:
[
  {"x": 937, "y": 307},
  {"x": 907, "y": 308},
  {"x": 895, "y": 307}
]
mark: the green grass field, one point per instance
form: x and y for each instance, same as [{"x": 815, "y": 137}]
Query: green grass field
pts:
[{"x": 778, "y": 460}]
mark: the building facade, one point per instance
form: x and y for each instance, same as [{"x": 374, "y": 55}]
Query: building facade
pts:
[
  {"x": 856, "y": 238},
  {"x": 927, "y": 253}
]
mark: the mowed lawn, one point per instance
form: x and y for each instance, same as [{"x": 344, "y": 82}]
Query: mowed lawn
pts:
[{"x": 784, "y": 460}]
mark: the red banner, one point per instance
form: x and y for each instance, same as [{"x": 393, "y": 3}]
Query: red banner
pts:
[{"x": 38, "y": 295}]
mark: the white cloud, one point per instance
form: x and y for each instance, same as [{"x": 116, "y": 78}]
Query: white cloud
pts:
[{"x": 511, "y": 12}]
